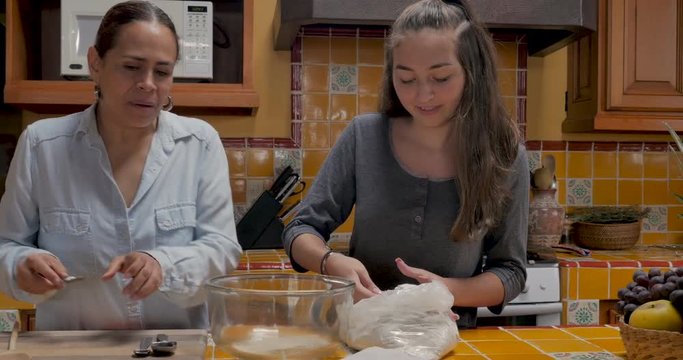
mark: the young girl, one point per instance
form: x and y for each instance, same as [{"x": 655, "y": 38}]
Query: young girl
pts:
[{"x": 439, "y": 179}]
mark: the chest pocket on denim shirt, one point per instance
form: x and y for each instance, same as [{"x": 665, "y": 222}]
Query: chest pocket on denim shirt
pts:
[
  {"x": 66, "y": 233},
  {"x": 67, "y": 222},
  {"x": 176, "y": 224}
]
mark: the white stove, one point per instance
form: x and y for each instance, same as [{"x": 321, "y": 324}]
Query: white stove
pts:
[{"x": 540, "y": 298}]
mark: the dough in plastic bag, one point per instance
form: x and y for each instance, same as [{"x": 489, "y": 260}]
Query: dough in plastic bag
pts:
[{"x": 413, "y": 318}]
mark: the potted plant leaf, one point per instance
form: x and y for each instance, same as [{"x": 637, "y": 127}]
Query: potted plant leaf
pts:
[{"x": 608, "y": 227}]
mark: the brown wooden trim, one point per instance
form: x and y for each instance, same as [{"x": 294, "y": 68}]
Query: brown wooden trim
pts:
[
  {"x": 554, "y": 145},
  {"x": 579, "y": 146},
  {"x": 605, "y": 146}
]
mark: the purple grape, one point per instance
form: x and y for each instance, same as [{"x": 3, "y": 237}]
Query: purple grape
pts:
[
  {"x": 676, "y": 299},
  {"x": 628, "y": 310},
  {"x": 659, "y": 279},
  {"x": 630, "y": 297},
  {"x": 667, "y": 289},
  {"x": 638, "y": 273},
  {"x": 657, "y": 291},
  {"x": 679, "y": 282},
  {"x": 643, "y": 280},
  {"x": 644, "y": 296},
  {"x": 619, "y": 307},
  {"x": 679, "y": 271},
  {"x": 621, "y": 293},
  {"x": 638, "y": 289},
  {"x": 672, "y": 279},
  {"x": 631, "y": 285},
  {"x": 668, "y": 274},
  {"x": 654, "y": 272}
]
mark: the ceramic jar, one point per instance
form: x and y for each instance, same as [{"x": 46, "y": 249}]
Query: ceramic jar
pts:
[{"x": 546, "y": 219}]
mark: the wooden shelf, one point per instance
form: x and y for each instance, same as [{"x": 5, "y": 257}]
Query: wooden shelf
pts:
[{"x": 56, "y": 95}]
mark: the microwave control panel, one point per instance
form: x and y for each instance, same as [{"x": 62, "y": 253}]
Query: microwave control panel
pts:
[{"x": 197, "y": 44}]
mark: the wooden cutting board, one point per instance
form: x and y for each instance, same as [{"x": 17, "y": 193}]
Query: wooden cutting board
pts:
[{"x": 115, "y": 344}]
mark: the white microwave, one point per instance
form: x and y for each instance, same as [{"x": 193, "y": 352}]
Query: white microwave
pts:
[{"x": 193, "y": 21}]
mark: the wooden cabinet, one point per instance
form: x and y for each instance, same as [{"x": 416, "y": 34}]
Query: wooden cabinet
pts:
[
  {"x": 29, "y": 24},
  {"x": 628, "y": 76}
]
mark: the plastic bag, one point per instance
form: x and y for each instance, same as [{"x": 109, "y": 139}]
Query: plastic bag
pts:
[{"x": 413, "y": 318}]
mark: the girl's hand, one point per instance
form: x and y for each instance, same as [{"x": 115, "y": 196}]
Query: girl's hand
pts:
[
  {"x": 40, "y": 273},
  {"x": 421, "y": 275},
  {"x": 352, "y": 269}
]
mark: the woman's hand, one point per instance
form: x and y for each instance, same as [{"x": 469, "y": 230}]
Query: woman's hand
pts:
[
  {"x": 143, "y": 269},
  {"x": 352, "y": 269},
  {"x": 40, "y": 273}
]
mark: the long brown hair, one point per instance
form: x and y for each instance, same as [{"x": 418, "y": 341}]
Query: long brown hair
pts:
[{"x": 488, "y": 138}]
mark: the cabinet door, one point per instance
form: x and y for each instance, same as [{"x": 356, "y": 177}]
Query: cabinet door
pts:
[{"x": 645, "y": 55}]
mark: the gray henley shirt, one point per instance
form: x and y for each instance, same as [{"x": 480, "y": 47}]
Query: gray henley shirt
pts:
[{"x": 400, "y": 215}]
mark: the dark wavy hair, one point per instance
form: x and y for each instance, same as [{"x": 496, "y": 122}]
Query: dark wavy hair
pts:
[
  {"x": 488, "y": 139},
  {"x": 125, "y": 13}
]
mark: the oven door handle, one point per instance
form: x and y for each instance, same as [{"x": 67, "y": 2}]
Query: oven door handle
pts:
[{"x": 523, "y": 309}]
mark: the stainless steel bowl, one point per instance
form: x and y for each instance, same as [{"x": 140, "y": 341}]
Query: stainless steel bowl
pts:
[{"x": 278, "y": 316}]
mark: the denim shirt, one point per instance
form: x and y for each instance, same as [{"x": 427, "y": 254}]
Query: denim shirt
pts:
[{"x": 62, "y": 199}]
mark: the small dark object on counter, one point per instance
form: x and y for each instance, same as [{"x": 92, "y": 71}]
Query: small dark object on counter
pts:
[
  {"x": 143, "y": 350},
  {"x": 163, "y": 347}
]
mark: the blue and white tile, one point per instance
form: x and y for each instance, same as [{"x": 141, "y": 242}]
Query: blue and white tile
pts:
[
  {"x": 287, "y": 157},
  {"x": 583, "y": 312},
  {"x": 254, "y": 189},
  {"x": 343, "y": 79},
  {"x": 656, "y": 220},
  {"x": 8, "y": 320},
  {"x": 534, "y": 158},
  {"x": 579, "y": 192}
]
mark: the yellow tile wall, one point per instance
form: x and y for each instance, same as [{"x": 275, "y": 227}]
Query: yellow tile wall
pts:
[
  {"x": 336, "y": 74},
  {"x": 619, "y": 174}
]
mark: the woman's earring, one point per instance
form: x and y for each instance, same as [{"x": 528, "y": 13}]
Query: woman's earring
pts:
[
  {"x": 97, "y": 92},
  {"x": 168, "y": 105}
]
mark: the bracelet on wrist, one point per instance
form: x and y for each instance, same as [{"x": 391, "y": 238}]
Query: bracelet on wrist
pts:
[{"x": 323, "y": 262}]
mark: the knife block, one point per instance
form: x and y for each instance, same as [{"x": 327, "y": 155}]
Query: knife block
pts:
[{"x": 261, "y": 228}]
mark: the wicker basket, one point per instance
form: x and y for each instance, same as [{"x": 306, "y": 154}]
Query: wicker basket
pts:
[
  {"x": 645, "y": 344},
  {"x": 606, "y": 236}
]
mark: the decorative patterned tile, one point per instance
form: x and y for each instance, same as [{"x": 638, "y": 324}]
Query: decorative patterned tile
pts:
[
  {"x": 239, "y": 211},
  {"x": 579, "y": 192},
  {"x": 343, "y": 79},
  {"x": 254, "y": 189},
  {"x": 585, "y": 356},
  {"x": 534, "y": 159},
  {"x": 287, "y": 157},
  {"x": 8, "y": 319},
  {"x": 583, "y": 312},
  {"x": 656, "y": 219}
]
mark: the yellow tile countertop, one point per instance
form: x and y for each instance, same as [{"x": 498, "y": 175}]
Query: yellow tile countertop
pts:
[
  {"x": 601, "y": 274},
  {"x": 529, "y": 343}
]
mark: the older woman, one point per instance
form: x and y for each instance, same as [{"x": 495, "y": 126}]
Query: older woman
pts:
[{"x": 127, "y": 197}]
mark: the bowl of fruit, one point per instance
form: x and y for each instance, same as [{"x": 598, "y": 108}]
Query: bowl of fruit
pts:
[{"x": 652, "y": 314}]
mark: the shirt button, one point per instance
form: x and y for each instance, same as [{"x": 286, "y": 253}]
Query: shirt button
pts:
[{"x": 418, "y": 219}]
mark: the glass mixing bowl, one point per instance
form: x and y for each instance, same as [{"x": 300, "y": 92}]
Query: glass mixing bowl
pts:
[{"x": 278, "y": 316}]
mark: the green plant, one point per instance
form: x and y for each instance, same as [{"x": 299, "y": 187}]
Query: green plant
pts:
[
  {"x": 609, "y": 214},
  {"x": 679, "y": 145}
]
